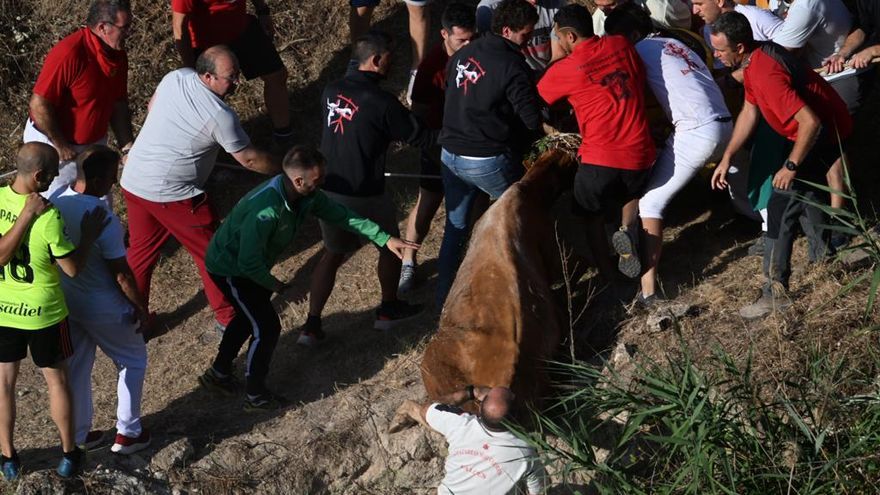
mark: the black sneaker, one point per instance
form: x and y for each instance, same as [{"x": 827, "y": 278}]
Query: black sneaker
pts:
[
  {"x": 226, "y": 385},
  {"x": 71, "y": 462},
  {"x": 624, "y": 244},
  {"x": 310, "y": 333},
  {"x": 267, "y": 401},
  {"x": 390, "y": 314}
]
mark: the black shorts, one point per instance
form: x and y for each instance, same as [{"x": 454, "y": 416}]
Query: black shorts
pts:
[
  {"x": 257, "y": 55},
  {"x": 600, "y": 189},
  {"x": 49, "y": 346},
  {"x": 430, "y": 165}
]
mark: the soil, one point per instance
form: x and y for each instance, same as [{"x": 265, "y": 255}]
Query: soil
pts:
[{"x": 332, "y": 438}]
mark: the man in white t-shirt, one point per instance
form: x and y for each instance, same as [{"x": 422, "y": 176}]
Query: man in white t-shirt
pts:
[
  {"x": 106, "y": 309},
  {"x": 485, "y": 458},
  {"x": 163, "y": 180},
  {"x": 665, "y": 14},
  {"x": 764, "y": 23},
  {"x": 543, "y": 47},
  {"x": 691, "y": 100}
]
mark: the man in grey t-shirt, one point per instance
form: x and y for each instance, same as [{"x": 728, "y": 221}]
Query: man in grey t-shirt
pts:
[{"x": 172, "y": 157}]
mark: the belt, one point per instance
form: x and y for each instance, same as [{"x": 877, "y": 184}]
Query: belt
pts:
[{"x": 724, "y": 119}]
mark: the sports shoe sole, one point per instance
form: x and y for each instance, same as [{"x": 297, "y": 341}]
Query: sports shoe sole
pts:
[
  {"x": 629, "y": 263},
  {"x": 118, "y": 448},
  {"x": 208, "y": 384}
]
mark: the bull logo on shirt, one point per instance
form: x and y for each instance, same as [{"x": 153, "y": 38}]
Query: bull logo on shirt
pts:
[
  {"x": 468, "y": 73},
  {"x": 681, "y": 52},
  {"x": 339, "y": 112},
  {"x": 618, "y": 83}
]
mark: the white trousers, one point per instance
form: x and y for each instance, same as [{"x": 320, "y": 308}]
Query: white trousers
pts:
[
  {"x": 685, "y": 153},
  {"x": 128, "y": 352},
  {"x": 66, "y": 169}
]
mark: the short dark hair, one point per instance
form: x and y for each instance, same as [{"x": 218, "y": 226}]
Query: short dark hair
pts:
[
  {"x": 303, "y": 157},
  {"x": 735, "y": 27},
  {"x": 105, "y": 11},
  {"x": 372, "y": 44},
  {"x": 95, "y": 161},
  {"x": 629, "y": 18},
  {"x": 576, "y": 18},
  {"x": 207, "y": 61},
  {"x": 459, "y": 15},
  {"x": 513, "y": 14}
]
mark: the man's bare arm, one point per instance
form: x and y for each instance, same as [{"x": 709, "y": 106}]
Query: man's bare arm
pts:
[
  {"x": 126, "y": 283},
  {"x": 120, "y": 122},
  {"x": 257, "y": 160},
  {"x": 182, "y": 42},
  {"x": 745, "y": 125},
  {"x": 91, "y": 226},
  {"x": 43, "y": 115},
  {"x": 34, "y": 205}
]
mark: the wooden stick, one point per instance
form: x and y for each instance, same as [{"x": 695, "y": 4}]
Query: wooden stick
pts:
[{"x": 823, "y": 71}]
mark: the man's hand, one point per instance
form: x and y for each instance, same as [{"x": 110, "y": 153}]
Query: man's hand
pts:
[
  {"x": 480, "y": 393},
  {"x": 397, "y": 246},
  {"x": 835, "y": 63},
  {"x": 34, "y": 205},
  {"x": 863, "y": 58},
  {"x": 93, "y": 223},
  {"x": 65, "y": 151},
  {"x": 784, "y": 178},
  {"x": 719, "y": 176}
]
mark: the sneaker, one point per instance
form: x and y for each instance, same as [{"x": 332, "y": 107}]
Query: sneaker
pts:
[
  {"x": 649, "y": 302},
  {"x": 129, "y": 445},
  {"x": 390, "y": 314},
  {"x": 625, "y": 247},
  {"x": 71, "y": 462},
  {"x": 839, "y": 240},
  {"x": 774, "y": 300},
  {"x": 226, "y": 385},
  {"x": 94, "y": 439},
  {"x": 407, "y": 278},
  {"x": 11, "y": 466},
  {"x": 757, "y": 247},
  {"x": 267, "y": 401},
  {"x": 310, "y": 333}
]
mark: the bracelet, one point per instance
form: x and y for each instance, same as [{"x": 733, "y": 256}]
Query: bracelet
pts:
[{"x": 470, "y": 391}]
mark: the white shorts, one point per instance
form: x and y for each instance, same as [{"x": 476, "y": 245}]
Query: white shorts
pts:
[{"x": 685, "y": 153}]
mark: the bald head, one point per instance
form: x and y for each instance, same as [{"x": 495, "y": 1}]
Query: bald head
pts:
[
  {"x": 35, "y": 157},
  {"x": 496, "y": 407},
  {"x": 218, "y": 56}
]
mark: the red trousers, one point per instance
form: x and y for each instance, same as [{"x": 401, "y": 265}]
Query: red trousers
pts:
[{"x": 192, "y": 222}]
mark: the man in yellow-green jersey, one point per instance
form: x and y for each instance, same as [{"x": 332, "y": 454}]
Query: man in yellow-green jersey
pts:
[{"x": 33, "y": 315}]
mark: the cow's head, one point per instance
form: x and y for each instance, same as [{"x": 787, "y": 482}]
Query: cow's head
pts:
[{"x": 554, "y": 170}]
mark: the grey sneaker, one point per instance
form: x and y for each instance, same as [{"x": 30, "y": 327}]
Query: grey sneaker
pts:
[
  {"x": 267, "y": 401},
  {"x": 624, "y": 244},
  {"x": 407, "y": 278},
  {"x": 770, "y": 301}
]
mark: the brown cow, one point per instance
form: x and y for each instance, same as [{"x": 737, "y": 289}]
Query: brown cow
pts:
[{"x": 500, "y": 321}]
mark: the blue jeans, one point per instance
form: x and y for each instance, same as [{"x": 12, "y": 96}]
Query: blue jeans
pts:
[{"x": 463, "y": 178}]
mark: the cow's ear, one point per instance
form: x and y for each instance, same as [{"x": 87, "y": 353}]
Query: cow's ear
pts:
[{"x": 450, "y": 409}]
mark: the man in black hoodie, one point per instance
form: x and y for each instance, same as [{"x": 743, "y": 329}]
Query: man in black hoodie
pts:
[
  {"x": 490, "y": 116},
  {"x": 359, "y": 123}
]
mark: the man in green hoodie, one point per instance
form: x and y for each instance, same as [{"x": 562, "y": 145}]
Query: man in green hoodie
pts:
[{"x": 243, "y": 251}]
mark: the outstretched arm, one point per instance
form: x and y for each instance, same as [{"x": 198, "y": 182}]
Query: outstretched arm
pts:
[
  {"x": 411, "y": 412},
  {"x": 9, "y": 242}
]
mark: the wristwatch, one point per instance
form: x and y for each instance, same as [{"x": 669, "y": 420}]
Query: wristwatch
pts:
[{"x": 790, "y": 165}]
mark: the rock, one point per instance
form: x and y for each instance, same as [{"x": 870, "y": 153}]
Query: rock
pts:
[
  {"x": 420, "y": 450},
  {"x": 42, "y": 482},
  {"x": 175, "y": 454},
  {"x": 665, "y": 316}
]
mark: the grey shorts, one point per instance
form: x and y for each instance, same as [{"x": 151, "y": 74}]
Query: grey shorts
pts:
[{"x": 379, "y": 209}]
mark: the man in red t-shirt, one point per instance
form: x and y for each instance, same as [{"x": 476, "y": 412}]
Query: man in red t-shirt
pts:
[
  {"x": 604, "y": 80},
  {"x": 201, "y": 24},
  {"x": 82, "y": 89},
  {"x": 428, "y": 96},
  {"x": 800, "y": 106}
]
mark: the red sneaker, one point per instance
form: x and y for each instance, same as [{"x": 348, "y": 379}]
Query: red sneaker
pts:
[{"x": 128, "y": 445}]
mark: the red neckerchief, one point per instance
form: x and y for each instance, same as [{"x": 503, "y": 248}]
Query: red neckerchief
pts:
[{"x": 109, "y": 60}]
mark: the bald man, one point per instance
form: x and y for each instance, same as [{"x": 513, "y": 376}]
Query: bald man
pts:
[
  {"x": 484, "y": 456},
  {"x": 164, "y": 178},
  {"x": 33, "y": 314}
]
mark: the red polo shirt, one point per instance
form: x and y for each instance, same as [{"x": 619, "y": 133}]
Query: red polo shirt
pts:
[
  {"x": 429, "y": 88},
  {"x": 82, "y": 79},
  {"x": 604, "y": 80},
  {"x": 213, "y": 22},
  {"x": 769, "y": 87}
]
